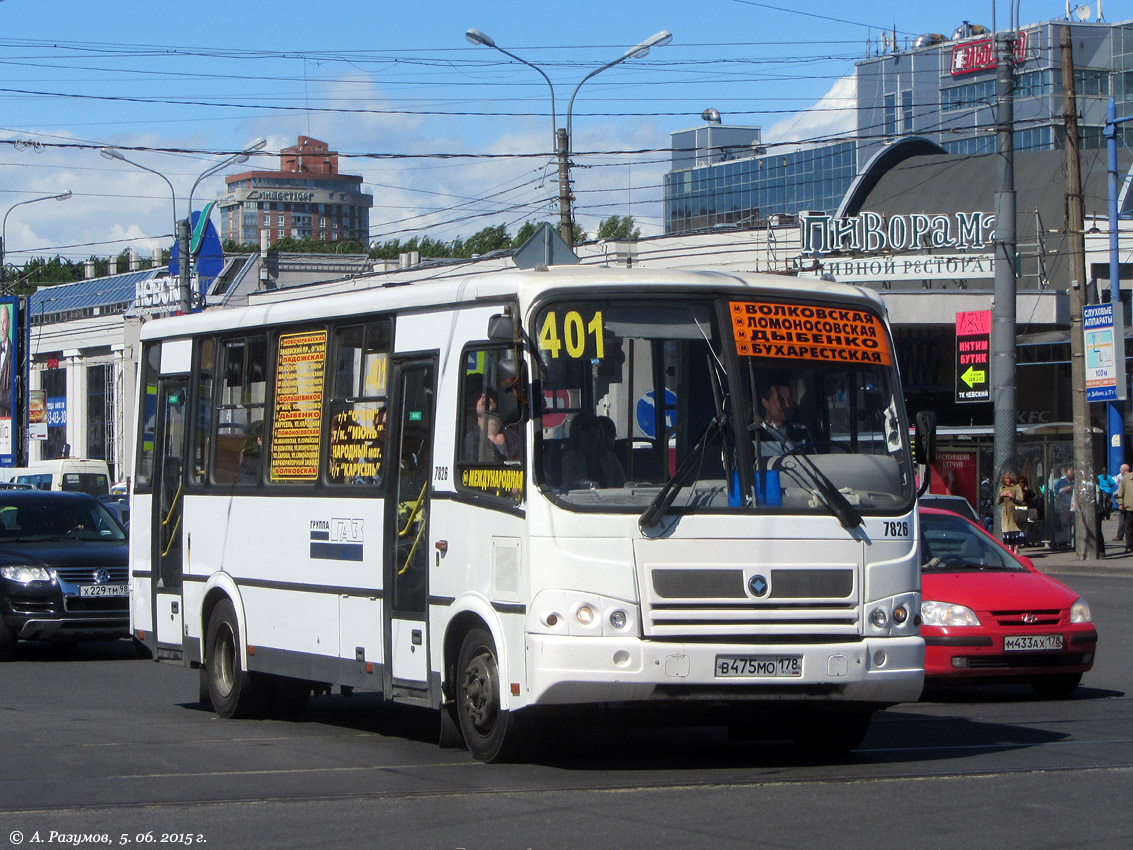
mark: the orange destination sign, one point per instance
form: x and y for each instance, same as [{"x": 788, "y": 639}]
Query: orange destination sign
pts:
[{"x": 805, "y": 332}]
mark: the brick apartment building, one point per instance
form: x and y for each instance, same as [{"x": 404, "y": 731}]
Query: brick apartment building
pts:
[{"x": 307, "y": 198}]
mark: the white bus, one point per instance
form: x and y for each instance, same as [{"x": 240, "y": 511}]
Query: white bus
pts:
[{"x": 535, "y": 488}]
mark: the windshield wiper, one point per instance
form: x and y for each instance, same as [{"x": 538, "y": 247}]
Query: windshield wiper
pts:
[
  {"x": 831, "y": 496},
  {"x": 664, "y": 499}
]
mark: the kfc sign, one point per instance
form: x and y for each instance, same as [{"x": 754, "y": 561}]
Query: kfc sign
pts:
[{"x": 980, "y": 55}]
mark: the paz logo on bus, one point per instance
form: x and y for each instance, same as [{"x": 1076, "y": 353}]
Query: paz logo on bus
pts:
[{"x": 758, "y": 585}]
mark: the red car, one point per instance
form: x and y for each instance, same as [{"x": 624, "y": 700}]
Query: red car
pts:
[{"x": 989, "y": 615}]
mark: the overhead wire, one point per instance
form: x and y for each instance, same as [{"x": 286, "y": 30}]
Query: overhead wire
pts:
[{"x": 639, "y": 157}]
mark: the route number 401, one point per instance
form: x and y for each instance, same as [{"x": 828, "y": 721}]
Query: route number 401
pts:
[{"x": 578, "y": 336}]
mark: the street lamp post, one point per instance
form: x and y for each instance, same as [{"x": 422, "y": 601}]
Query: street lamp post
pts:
[
  {"x": 181, "y": 227},
  {"x": 1115, "y": 410},
  {"x": 112, "y": 153},
  {"x": 62, "y": 196},
  {"x": 562, "y": 136},
  {"x": 19, "y": 399}
]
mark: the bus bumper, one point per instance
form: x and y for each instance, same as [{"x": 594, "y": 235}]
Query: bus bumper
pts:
[{"x": 564, "y": 670}]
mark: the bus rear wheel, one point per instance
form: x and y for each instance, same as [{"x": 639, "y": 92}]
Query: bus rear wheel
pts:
[
  {"x": 490, "y": 733},
  {"x": 233, "y": 691}
]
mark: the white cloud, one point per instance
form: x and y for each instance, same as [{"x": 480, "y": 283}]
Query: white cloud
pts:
[{"x": 833, "y": 114}]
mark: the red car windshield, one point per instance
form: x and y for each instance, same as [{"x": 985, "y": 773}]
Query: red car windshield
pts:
[{"x": 951, "y": 543}]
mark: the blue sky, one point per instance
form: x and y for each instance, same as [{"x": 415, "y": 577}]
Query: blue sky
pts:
[{"x": 450, "y": 137}]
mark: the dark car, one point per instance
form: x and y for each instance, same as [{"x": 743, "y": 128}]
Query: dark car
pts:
[
  {"x": 990, "y": 616},
  {"x": 63, "y": 569},
  {"x": 119, "y": 506},
  {"x": 956, "y": 504}
]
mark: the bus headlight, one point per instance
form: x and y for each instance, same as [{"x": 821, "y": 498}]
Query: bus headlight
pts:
[
  {"x": 580, "y": 614},
  {"x": 895, "y": 616}
]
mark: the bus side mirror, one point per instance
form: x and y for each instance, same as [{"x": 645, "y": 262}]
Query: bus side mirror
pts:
[
  {"x": 924, "y": 442},
  {"x": 511, "y": 391},
  {"x": 501, "y": 328}
]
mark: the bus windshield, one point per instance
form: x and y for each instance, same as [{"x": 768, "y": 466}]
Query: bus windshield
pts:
[{"x": 735, "y": 404}]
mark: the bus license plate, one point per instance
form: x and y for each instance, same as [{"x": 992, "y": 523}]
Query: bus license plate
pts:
[
  {"x": 103, "y": 590},
  {"x": 766, "y": 666},
  {"x": 1031, "y": 643}
]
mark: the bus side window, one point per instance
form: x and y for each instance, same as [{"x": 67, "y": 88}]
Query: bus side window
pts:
[
  {"x": 147, "y": 413},
  {"x": 202, "y": 427},
  {"x": 240, "y": 403},
  {"x": 359, "y": 386},
  {"x": 483, "y": 439}
]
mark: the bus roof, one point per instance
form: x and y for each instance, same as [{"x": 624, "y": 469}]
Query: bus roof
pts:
[{"x": 500, "y": 286}]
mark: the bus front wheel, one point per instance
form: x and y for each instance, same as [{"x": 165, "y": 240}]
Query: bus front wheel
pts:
[
  {"x": 489, "y": 732},
  {"x": 233, "y": 691}
]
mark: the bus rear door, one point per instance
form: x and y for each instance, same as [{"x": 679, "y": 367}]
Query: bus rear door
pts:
[
  {"x": 407, "y": 531},
  {"x": 168, "y": 500}
]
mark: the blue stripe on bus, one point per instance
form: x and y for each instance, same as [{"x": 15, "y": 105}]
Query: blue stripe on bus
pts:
[
  {"x": 336, "y": 551},
  {"x": 320, "y": 535}
]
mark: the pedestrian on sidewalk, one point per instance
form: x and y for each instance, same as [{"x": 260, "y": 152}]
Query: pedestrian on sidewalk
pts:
[
  {"x": 1011, "y": 497},
  {"x": 1065, "y": 504},
  {"x": 1125, "y": 498},
  {"x": 1122, "y": 473}
]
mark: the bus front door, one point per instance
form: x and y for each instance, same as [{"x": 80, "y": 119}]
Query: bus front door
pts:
[
  {"x": 168, "y": 489},
  {"x": 409, "y": 471}
]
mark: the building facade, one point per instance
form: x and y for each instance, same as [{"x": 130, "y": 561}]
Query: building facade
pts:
[
  {"x": 939, "y": 90},
  {"x": 307, "y": 198}
]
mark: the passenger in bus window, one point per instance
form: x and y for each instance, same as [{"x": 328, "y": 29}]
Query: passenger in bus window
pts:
[
  {"x": 777, "y": 432},
  {"x": 489, "y": 441},
  {"x": 251, "y": 457},
  {"x": 590, "y": 461}
]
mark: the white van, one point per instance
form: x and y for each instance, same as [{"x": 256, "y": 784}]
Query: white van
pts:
[{"x": 72, "y": 474}]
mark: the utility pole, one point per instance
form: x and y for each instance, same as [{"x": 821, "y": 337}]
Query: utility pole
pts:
[
  {"x": 1085, "y": 518},
  {"x": 184, "y": 281},
  {"x": 566, "y": 224},
  {"x": 1003, "y": 306}
]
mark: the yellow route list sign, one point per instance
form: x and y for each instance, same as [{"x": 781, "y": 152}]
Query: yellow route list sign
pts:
[{"x": 297, "y": 424}]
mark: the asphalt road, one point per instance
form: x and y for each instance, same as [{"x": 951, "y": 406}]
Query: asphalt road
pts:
[{"x": 97, "y": 747}]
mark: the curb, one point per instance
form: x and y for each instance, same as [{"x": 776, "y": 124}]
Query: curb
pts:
[{"x": 1112, "y": 563}]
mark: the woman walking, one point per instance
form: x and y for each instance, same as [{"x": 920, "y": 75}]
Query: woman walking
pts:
[{"x": 1011, "y": 496}]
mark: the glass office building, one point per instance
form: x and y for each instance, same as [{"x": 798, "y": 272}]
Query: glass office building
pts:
[
  {"x": 746, "y": 191},
  {"x": 940, "y": 90}
]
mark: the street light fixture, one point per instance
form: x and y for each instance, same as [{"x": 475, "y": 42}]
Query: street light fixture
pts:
[
  {"x": 562, "y": 136},
  {"x": 182, "y": 227},
  {"x": 112, "y": 153},
  {"x": 186, "y": 226},
  {"x": 257, "y": 145},
  {"x": 474, "y": 36},
  {"x": 62, "y": 196},
  {"x": 18, "y": 400}
]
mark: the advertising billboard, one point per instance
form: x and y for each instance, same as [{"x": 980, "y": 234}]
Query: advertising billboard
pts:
[{"x": 9, "y": 322}]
